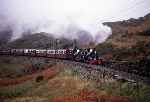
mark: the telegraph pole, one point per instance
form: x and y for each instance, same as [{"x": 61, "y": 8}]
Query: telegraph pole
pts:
[{"x": 56, "y": 49}]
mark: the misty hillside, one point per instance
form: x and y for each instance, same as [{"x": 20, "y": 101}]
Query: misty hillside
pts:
[
  {"x": 44, "y": 40},
  {"x": 39, "y": 40},
  {"x": 130, "y": 40},
  {"x": 5, "y": 36}
]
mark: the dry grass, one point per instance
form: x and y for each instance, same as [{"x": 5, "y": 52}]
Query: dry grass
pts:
[
  {"x": 28, "y": 99},
  {"x": 66, "y": 86},
  {"x": 91, "y": 96}
]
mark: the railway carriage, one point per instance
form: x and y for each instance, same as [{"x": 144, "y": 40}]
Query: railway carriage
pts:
[
  {"x": 17, "y": 52},
  {"x": 61, "y": 53},
  {"x": 30, "y": 52},
  {"x": 26, "y": 52},
  {"x": 5, "y": 52},
  {"x": 50, "y": 53},
  {"x": 69, "y": 54},
  {"x": 41, "y": 52},
  {"x": 81, "y": 55}
]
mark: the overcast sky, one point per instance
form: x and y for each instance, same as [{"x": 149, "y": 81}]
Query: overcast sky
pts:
[{"x": 56, "y": 15}]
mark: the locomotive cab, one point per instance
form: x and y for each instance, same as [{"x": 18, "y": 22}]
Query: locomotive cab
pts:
[{"x": 94, "y": 58}]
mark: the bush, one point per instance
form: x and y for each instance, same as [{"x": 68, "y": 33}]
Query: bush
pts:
[{"x": 39, "y": 78}]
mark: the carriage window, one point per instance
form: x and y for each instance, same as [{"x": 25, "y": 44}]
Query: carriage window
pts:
[
  {"x": 60, "y": 52},
  {"x": 42, "y": 51},
  {"x": 52, "y": 52},
  {"x": 56, "y": 51},
  {"x": 63, "y": 52},
  {"x": 49, "y": 52}
]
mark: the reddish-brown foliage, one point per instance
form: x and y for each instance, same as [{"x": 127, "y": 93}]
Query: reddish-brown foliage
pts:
[
  {"x": 91, "y": 96},
  {"x": 48, "y": 72}
]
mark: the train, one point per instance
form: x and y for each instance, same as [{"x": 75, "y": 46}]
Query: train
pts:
[{"x": 89, "y": 56}]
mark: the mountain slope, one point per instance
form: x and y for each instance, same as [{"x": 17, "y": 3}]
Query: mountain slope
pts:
[
  {"x": 5, "y": 36},
  {"x": 39, "y": 40},
  {"x": 130, "y": 39}
]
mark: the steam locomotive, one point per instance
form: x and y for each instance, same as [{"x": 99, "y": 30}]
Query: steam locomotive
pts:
[{"x": 81, "y": 55}]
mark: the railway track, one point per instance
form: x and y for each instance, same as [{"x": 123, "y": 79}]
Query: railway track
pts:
[
  {"x": 96, "y": 71},
  {"x": 110, "y": 73}
]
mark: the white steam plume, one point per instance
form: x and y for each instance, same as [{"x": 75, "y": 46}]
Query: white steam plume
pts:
[{"x": 62, "y": 18}]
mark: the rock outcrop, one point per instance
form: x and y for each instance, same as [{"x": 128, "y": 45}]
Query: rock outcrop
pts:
[{"x": 130, "y": 39}]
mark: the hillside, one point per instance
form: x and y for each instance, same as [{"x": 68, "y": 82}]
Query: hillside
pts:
[
  {"x": 130, "y": 40},
  {"x": 40, "y": 80},
  {"x": 39, "y": 40},
  {"x": 5, "y": 36},
  {"x": 43, "y": 40}
]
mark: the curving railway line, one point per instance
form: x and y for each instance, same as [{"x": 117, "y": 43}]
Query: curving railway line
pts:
[{"x": 106, "y": 72}]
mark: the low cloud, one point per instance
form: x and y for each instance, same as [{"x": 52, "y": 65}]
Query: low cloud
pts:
[{"x": 60, "y": 19}]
